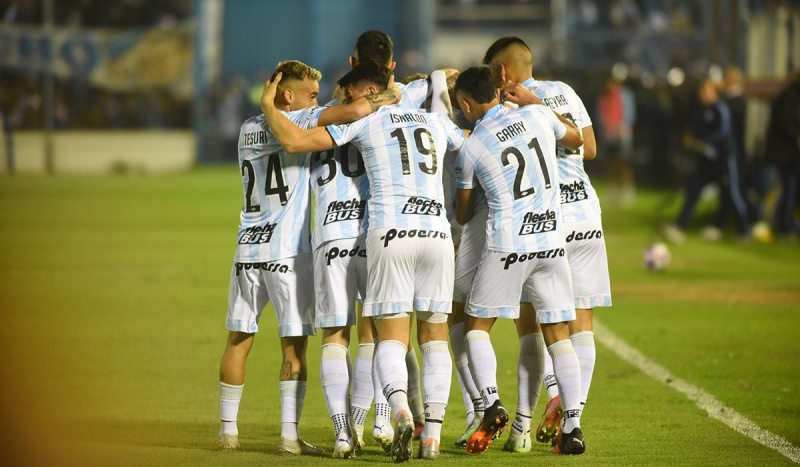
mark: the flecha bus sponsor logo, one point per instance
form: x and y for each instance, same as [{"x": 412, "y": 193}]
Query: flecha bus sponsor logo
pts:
[
  {"x": 572, "y": 192},
  {"x": 534, "y": 223},
  {"x": 345, "y": 210},
  {"x": 257, "y": 234},
  {"x": 423, "y": 206}
]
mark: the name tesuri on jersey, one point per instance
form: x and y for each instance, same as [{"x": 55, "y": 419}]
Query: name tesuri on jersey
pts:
[
  {"x": 512, "y": 155},
  {"x": 403, "y": 151},
  {"x": 275, "y": 220},
  {"x": 578, "y": 199}
]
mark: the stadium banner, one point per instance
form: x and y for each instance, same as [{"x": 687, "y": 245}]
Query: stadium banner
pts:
[{"x": 129, "y": 60}]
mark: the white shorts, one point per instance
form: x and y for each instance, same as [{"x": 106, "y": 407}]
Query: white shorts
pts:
[
  {"x": 408, "y": 270},
  {"x": 588, "y": 261},
  {"x": 286, "y": 282},
  {"x": 473, "y": 241},
  {"x": 501, "y": 278},
  {"x": 340, "y": 275}
]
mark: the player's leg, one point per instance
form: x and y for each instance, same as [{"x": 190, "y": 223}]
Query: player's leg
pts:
[
  {"x": 247, "y": 297},
  {"x": 551, "y": 295},
  {"x": 335, "y": 293},
  {"x": 437, "y": 370},
  {"x": 382, "y": 429},
  {"x": 361, "y": 383},
  {"x": 294, "y": 309},
  {"x": 433, "y": 296},
  {"x": 473, "y": 239},
  {"x": 469, "y": 390},
  {"x": 550, "y": 425},
  {"x": 365, "y": 382},
  {"x": 231, "y": 385},
  {"x": 389, "y": 301},
  {"x": 495, "y": 294},
  {"x": 483, "y": 365},
  {"x": 390, "y": 361},
  {"x": 530, "y": 371},
  {"x": 581, "y": 334},
  {"x": 415, "y": 391},
  {"x": 591, "y": 287}
]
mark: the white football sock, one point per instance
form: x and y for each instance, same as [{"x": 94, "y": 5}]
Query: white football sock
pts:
[
  {"x": 362, "y": 383},
  {"x": 335, "y": 382},
  {"x": 469, "y": 392},
  {"x": 549, "y": 377},
  {"x": 483, "y": 365},
  {"x": 568, "y": 374},
  {"x": 382, "y": 408},
  {"x": 530, "y": 369},
  {"x": 390, "y": 359},
  {"x": 229, "y": 398},
  {"x": 583, "y": 342},
  {"x": 437, "y": 371},
  {"x": 293, "y": 394},
  {"x": 414, "y": 390}
]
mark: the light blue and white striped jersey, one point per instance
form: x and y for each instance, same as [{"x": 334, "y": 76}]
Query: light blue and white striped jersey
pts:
[
  {"x": 403, "y": 151},
  {"x": 578, "y": 199},
  {"x": 340, "y": 183},
  {"x": 512, "y": 154},
  {"x": 341, "y": 189},
  {"x": 414, "y": 93},
  {"x": 275, "y": 219}
]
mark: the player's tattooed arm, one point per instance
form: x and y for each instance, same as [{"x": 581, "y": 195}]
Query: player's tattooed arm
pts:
[
  {"x": 358, "y": 108},
  {"x": 389, "y": 96},
  {"x": 288, "y": 373}
]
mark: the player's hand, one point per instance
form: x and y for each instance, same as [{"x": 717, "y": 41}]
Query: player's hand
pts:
[
  {"x": 269, "y": 92},
  {"x": 518, "y": 94}
]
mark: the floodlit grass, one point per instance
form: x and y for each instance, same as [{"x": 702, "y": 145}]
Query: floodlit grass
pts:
[{"x": 114, "y": 292}]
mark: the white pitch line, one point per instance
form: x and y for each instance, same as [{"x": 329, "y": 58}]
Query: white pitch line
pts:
[{"x": 704, "y": 400}]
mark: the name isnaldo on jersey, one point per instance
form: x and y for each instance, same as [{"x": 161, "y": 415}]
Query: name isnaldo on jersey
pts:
[{"x": 534, "y": 223}]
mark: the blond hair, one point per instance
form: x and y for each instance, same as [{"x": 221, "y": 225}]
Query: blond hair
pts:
[{"x": 294, "y": 70}]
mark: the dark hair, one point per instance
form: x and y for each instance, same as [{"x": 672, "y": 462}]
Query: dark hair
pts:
[
  {"x": 374, "y": 46},
  {"x": 476, "y": 82},
  {"x": 369, "y": 72},
  {"x": 500, "y": 45}
]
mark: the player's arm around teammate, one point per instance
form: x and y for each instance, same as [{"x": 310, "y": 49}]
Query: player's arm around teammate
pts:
[
  {"x": 511, "y": 153},
  {"x": 271, "y": 264},
  {"x": 511, "y": 62}
]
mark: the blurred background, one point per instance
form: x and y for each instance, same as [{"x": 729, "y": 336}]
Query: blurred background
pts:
[{"x": 162, "y": 85}]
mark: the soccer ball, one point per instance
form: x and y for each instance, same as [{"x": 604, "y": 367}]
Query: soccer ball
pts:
[{"x": 656, "y": 257}]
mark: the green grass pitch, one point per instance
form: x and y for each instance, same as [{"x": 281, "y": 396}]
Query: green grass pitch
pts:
[{"x": 114, "y": 292}]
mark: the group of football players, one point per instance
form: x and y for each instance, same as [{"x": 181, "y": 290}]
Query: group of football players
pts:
[{"x": 455, "y": 215}]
